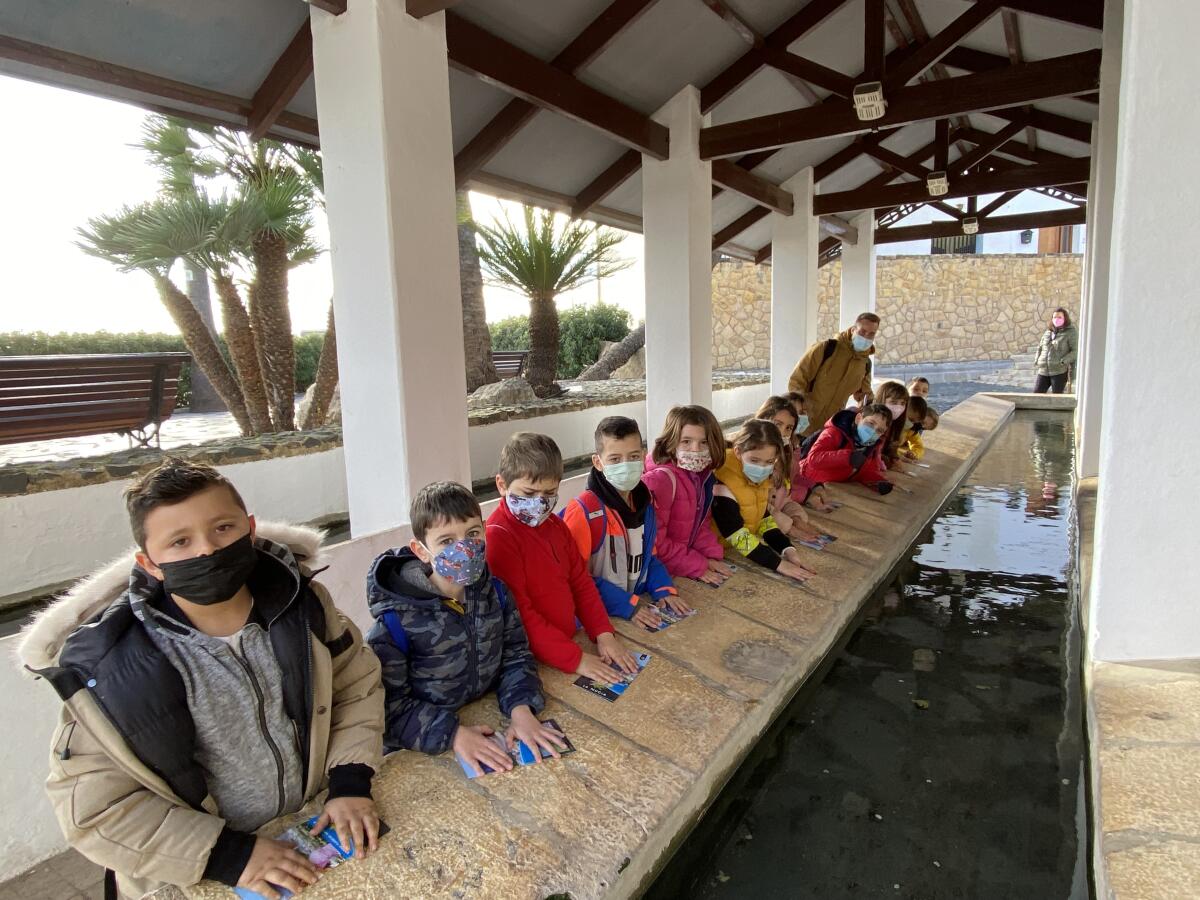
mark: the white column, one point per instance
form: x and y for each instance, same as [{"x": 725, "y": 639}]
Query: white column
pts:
[
  {"x": 1144, "y": 597},
  {"x": 383, "y": 99},
  {"x": 794, "y": 242},
  {"x": 677, "y": 223},
  {"x": 1093, "y": 324},
  {"x": 858, "y": 270}
]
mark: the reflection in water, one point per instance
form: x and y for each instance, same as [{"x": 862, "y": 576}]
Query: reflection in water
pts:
[{"x": 941, "y": 757}]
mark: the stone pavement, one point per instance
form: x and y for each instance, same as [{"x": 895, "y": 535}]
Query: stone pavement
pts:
[{"x": 67, "y": 876}]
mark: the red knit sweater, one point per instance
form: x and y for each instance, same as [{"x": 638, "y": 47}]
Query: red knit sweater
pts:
[{"x": 550, "y": 581}]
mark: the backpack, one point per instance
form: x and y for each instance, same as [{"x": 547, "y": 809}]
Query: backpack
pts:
[
  {"x": 807, "y": 444},
  {"x": 395, "y": 628},
  {"x": 830, "y": 346},
  {"x": 596, "y": 515}
]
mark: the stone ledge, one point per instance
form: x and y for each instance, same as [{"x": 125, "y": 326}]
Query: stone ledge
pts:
[{"x": 602, "y": 822}]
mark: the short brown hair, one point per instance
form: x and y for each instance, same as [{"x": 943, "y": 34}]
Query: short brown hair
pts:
[
  {"x": 918, "y": 405},
  {"x": 667, "y": 443},
  {"x": 798, "y": 400},
  {"x": 868, "y": 317},
  {"x": 530, "y": 455},
  {"x": 877, "y": 409},
  {"x": 442, "y": 501},
  {"x": 931, "y": 413},
  {"x": 920, "y": 379},
  {"x": 171, "y": 481},
  {"x": 617, "y": 428}
]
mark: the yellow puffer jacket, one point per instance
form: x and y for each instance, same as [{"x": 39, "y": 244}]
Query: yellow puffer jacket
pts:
[
  {"x": 832, "y": 380},
  {"x": 752, "y": 500},
  {"x": 910, "y": 442}
]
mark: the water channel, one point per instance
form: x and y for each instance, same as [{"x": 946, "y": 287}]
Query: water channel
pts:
[{"x": 941, "y": 755}]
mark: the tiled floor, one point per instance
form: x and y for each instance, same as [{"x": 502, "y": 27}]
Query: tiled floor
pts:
[{"x": 67, "y": 876}]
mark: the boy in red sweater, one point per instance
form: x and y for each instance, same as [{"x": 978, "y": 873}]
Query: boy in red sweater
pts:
[
  {"x": 849, "y": 448},
  {"x": 534, "y": 554}
]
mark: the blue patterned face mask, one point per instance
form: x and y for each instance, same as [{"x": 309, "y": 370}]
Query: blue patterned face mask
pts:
[
  {"x": 462, "y": 562},
  {"x": 531, "y": 511}
]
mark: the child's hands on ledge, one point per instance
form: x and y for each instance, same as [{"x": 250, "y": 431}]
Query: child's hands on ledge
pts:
[
  {"x": 352, "y": 818},
  {"x": 647, "y": 616},
  {"x": 596, "y": 669},
  {"x": 612, "y": 651},
  {"x": 526, "y": 728},
  {"x": 474, "y": 744}
]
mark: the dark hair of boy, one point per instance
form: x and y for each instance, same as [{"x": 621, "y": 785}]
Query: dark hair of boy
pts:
[
  {"x": 877, "y": 409},
  {"x": 530, "y": 455},
  {"x": 799, "y": 403},
  {"x": 171, "y": 481},
  {"x": 680, "y": 417},
  {"x": 868, "y": 317},
  {"x": 931, "y": 413},
  {"x": 918, "y": 406},
  {"x": 441, "y": 503},
  {"x": 616, "y": 428},
  {"x": 920, "y": 379}
]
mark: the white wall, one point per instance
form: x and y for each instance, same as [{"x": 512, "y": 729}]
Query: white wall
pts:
[{"x": 1143, "y": 588}]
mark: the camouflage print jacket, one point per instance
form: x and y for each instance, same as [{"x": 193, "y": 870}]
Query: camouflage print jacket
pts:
[{"x": 452, "y": 659}]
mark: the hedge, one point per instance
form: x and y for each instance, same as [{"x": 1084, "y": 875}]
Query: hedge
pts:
[
  {"x": 39, "y": 343},
  {"x": 581, "y": 331}
]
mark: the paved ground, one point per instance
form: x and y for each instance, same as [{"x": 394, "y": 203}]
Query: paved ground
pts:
[{"x": 65, "y": 877}]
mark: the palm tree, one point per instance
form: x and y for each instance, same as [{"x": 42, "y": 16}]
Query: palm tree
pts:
[
  {"x": 542, "y": 260},
  {"x": 477, "y": 338},
  {"x": 326, "y": 380},
  {"x": 132, "y": 240}
]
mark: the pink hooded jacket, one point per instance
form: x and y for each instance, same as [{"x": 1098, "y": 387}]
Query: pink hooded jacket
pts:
[{"x": 682, "y": 504}]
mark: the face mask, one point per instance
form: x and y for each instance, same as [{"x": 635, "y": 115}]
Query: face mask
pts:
[
  {"x": 757, "y": 474},
  {"x": 867, "y": 434},
  {"x": 861, "y": 343},
  {"x": 215, "y": 578},
  {"x": 531, "y": 511},
  {"x": 462, "y": 562},
  {"x": 917, "y": 427},
  {"x": 801, "y": 424},
  {"x": 897, "y": 410},
  {"x": 624, "y": 476},
  {"x": 1059, "y": 321},
  {"x": 693, "y": 460}
]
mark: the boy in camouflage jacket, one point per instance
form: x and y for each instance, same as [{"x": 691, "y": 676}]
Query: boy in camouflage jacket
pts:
[{"x": 446, "y": 633}]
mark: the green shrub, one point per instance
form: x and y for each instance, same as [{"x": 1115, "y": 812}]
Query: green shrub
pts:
[
  {"x": 581, "y": 331},
  {"x": 39, "y": 343}
]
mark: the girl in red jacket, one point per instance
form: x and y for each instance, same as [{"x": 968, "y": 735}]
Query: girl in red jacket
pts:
[
  {"x": 679, "y": 475},
  {"x": 850, "y": 448}
]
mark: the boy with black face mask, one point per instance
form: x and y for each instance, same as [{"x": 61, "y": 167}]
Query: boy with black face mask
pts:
[
  {"x": 447, "y": 632},
  {"x": 206, "y": 692}
]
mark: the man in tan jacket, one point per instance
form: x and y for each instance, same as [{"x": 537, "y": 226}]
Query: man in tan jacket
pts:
[
  {"x": 834, "y": 370},
  {"x": 209, "y": 686}
]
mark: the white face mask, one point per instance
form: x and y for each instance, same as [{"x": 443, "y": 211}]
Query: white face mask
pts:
[{"x": 897, "y": 410}]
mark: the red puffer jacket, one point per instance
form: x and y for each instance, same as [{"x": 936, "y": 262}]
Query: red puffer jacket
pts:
[{"x": 829, "y": 458}]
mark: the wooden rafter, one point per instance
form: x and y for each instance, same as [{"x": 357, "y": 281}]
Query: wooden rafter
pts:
[
  {"x": 286, "y": 77},
  {"x": 588, "y": 44},
  {"x": 1062, "y": 76},
  {"x": 874, "y": 45},
  {"x": 1020, "y": 178},
  {"x": 620, "y": 171},
  {"x": 1063, "y": 126},
  {"x": 471, "y": 49},
  {"x": 1015, "y": 149},
  {"x": 937, "y": 72},
  {"x": 932, "y": 51},
  {"x": 738, "y": 225},
  {"x": 1016, "y": 56},
  {"x": 987, "y": 225},
  {"x": 333, "y": 7},
  {"x": 732, "y": 176},
  {"x": 941, "y": 153},
  {"x": 1088, "y": 13},
  {"x": 985, "y": 149},
  {"x": 998, "y": 202},
  {"x": 807, "y": 70},
  {"x": 734, "y": 20},
  {"x": 419, "y": 9}
]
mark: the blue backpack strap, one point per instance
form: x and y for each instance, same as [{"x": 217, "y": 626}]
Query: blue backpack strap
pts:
[
  {"x": 501, "y": 593},
  {"x": 395, "y": 628}
]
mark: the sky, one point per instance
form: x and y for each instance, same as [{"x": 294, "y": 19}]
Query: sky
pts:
[{"x": 67, "y": 157}]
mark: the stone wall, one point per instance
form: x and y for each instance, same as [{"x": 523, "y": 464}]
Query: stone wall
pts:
[{"x": 933, "y": 307}]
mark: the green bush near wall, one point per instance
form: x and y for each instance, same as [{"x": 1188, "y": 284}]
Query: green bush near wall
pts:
[
  {"x": 40, "y": 343},
  {"x": 581, "y": 331}
]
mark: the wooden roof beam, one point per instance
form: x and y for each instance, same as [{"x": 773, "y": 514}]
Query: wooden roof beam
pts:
[
  {"x": 1062, "y": 76},
  {"x": 505, "y": 125},
  {"x": 286, "y": 77},
  {"x": 738, "y": 225},
  {"x": 989, "y": 225},
  {"x": 473, "y": 50},
  {"x": 732, "y": 176},
  {"x": 1087, "y": 13},
  {"x": 932, "y": 51},
  {"x": 419, "y": 9},
  {"x": 993, "y": 143},
  {"x": 1020, "y": 178},
  {"x": 333, "y": 7}
]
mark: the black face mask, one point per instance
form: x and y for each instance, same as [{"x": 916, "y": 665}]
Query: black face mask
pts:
[{"x": 206, "y": 580}]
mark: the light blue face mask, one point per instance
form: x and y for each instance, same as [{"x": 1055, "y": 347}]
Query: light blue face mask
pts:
[
  {"x": 757, "y": 474},
  {"x": 861, "y": 343},
  {"x": 624, "y": 476},
  {"x": 802, "y": 424},
  {"x": 867, "y": 434}
]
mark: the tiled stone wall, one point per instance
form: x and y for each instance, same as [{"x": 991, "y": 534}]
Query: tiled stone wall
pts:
[{"x": 933, "y": 307}]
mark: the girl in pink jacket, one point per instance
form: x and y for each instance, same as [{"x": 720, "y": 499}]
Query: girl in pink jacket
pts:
[{"x": 679, "y": 474}]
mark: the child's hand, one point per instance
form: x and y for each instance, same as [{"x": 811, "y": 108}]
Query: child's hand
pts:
[
  {"x": 711, "y": 577},
  {"x": 908, "y": 454},
  {"x": 675, "y": 604},
  {"x": 720, "y": 567},
  {"x": 803, "y": 534},
  {"x": 791, "y": 570},
  {"x": 473, "y": 743},
  {"x": 274, "y": 864},
  {"x": 792, "y": 555},
  {"x": 612, "y": 651},
  {"x": 353, "y": 819},
  {"x": 597, "y": 670},
  {"x": 647, "y": 616},
  {"x": 535, "y": 735}
]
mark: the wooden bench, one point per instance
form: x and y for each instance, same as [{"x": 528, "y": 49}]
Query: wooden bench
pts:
[
  {"x": 47, "y": 397},
  {"x": 510, "y": 363}
]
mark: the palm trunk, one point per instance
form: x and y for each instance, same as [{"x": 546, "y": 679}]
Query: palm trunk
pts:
[
  {"x": 326, "y": 380},
  {"x": 542, "y": 366},
  {"x": 477, "y": 339},
  {"x": 616, "y": 356},
  {"x": 239, "y": 337},
  {"x": 204, "y": 396},
  {"x": 203, "y": 346},
  {"x": 271, "y": 322}
]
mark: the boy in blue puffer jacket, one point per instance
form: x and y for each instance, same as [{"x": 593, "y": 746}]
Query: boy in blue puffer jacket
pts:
[{"x": 447, "y": 633}]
